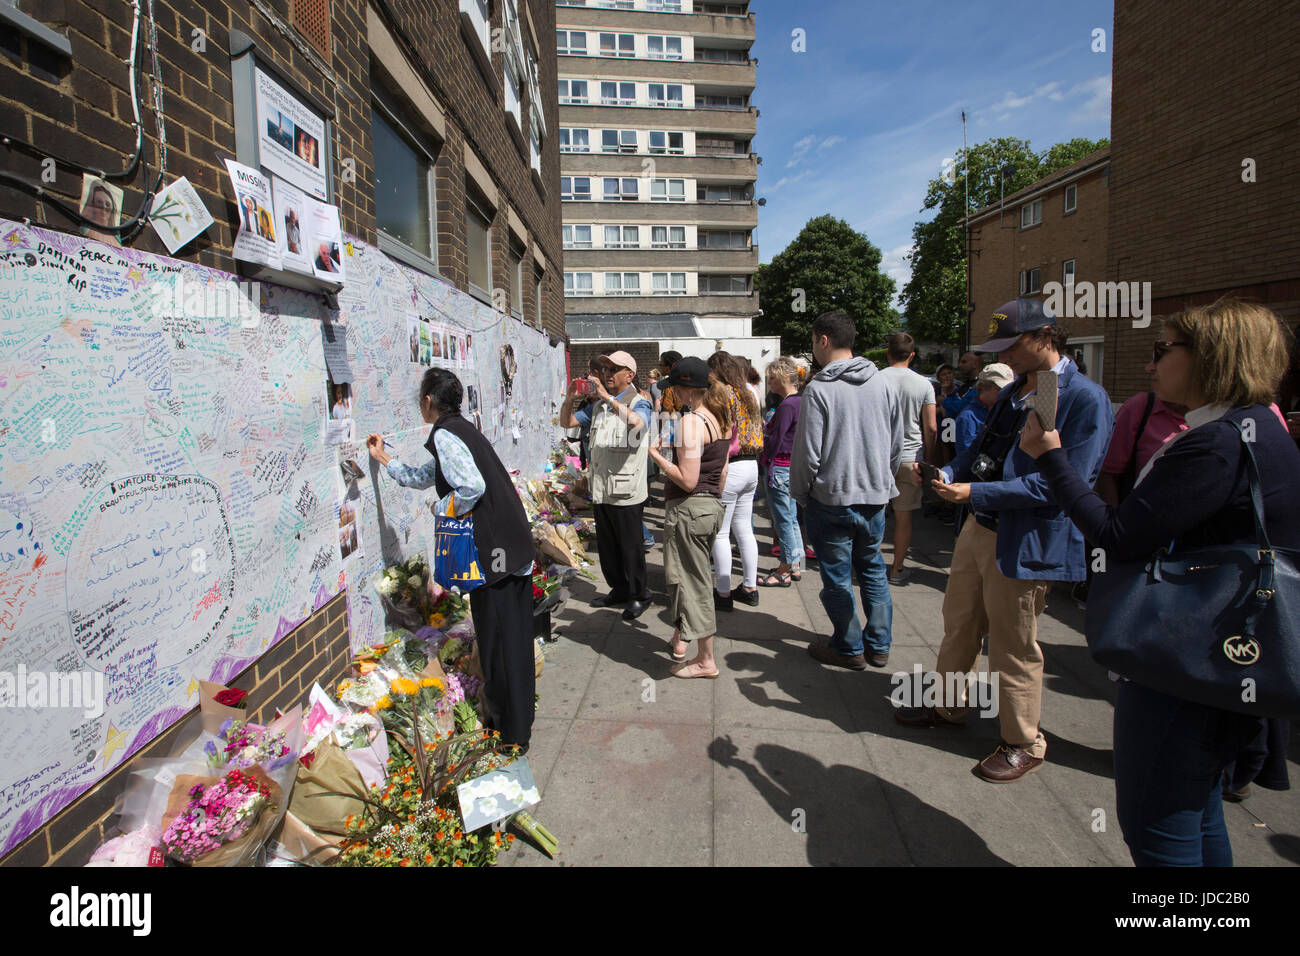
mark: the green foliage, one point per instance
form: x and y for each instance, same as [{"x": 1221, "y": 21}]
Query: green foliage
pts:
[
  {"x": 836, "y": 268},
  {"x": 934, "y": 300}
]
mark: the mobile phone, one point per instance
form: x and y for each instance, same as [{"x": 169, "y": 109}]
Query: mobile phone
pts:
[
  {"x": 581, "y": 386},
  {"x": 1044, "y": 399},
  {"x": 930, "y": 473}
]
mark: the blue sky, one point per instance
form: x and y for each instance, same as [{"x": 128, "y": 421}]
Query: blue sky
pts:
[{"x": 858, "y": 124}]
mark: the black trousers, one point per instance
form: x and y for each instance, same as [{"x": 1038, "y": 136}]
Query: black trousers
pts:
[
  {"x": 503, "y": 627},
  {"x": 622, "y": 549}
]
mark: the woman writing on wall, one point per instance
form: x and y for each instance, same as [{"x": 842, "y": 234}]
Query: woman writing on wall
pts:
[{"x": 470, "y": 480}]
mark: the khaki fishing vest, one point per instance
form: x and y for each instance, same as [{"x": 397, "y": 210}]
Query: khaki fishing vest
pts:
[{"x": 618, "y": 466}]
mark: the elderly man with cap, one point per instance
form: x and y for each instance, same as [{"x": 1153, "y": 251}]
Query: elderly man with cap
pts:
[
  {"x": 619, "y": 442},
  {"x": 1016, "y": 540},
  {"x": 990, "y": 383}
]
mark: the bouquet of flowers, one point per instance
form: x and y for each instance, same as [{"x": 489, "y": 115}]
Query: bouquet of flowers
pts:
[
  {"x": 232, "y": 697},
  {"x": 404, "y": 590},
  {"x": 219, "y": 812},
  {"x": 240, "y": 744}
]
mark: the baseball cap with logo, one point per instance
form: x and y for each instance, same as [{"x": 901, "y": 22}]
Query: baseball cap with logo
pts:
[
  {"x": 622, "y": 360},
  {"x": 1013, "y": 320}
]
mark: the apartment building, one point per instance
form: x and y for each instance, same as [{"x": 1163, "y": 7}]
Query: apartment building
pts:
[
  {"x": 657, "y": 172},
  {"x": 1052, "y": 231}
]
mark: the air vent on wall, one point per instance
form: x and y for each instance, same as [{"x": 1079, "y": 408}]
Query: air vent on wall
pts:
[{"x": 311, "y": 18}]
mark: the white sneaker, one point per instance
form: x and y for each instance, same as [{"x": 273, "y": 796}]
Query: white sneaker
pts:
[{"x": 900, "y": 577}]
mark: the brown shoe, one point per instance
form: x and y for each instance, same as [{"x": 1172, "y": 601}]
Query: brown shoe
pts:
[
  {"x": 1006, "y": 764},
  {"x": 924, "y": 717},
  {"x": 822, "y": 651}
]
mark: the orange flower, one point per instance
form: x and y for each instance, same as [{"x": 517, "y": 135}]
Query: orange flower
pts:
[
  {"x": 431, "y": 682},
  {"x": 405, "y": 862},
  {"x": 510, "y": 838},
  {"x": 428, "y": 859},
  {"x": 460, "y": 862},
  {"x": 402, "y": 685}
]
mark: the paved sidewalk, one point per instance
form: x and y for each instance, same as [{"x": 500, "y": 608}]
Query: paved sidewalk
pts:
[{"x": 784, "y": 761}]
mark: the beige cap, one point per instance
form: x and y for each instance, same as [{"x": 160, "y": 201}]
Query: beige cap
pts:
[
  {"x": 623, "y": 360},
  {"x": 998, "y": 373}
]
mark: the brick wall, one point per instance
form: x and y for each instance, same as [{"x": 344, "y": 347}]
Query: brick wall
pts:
[
  {"x": 1196, "y": 90},
  {"x": 646, "y": 355},
  {"x": 80, "y": 109},
  {"x": 316, "y": 651}
]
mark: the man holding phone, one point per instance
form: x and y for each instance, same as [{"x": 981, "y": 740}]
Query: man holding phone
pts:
[{"x": 1017, "y": 540}]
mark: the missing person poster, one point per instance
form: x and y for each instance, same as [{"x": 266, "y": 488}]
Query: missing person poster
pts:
[
  {"x": 326, "y": 246},
  {"x": 255, "y": 241},
  {"x": 291, "y": 218},
  {"x": 290, "y": 136}
]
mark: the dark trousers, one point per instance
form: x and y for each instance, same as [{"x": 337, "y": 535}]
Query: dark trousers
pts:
[
  {"x": 620, "y": 546},
  {"x": 503, "y": 627},
  {"x": 1169, "y": 760}
]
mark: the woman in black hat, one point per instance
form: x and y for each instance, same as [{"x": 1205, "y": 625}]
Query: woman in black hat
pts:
[{"x": 693, "y": 511}]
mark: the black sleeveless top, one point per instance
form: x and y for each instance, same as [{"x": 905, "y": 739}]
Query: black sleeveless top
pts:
[
  {"x": 713, "y": 458},
  {"x": 500, "y": 522}
]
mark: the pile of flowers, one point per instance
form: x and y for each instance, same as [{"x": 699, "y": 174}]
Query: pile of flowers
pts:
[
  {"x": 245, "y": 744},
  {"x": 216, "y": 814},
  {"x": 405, "y": 582}
]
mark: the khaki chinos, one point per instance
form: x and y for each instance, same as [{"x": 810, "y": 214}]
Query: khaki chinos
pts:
[{"x": 981, "y": 600}]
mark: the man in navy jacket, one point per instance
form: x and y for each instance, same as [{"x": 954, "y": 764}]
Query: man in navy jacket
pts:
[{"x": 1015, "y": 539}]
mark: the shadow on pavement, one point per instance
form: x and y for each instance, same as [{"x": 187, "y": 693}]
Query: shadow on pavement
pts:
[{"x": 838, "y": 835}]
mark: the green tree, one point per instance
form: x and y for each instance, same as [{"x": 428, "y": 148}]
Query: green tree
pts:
[
  {"x": 934, "y": 299},
  {"x": 828, "y": 266}
]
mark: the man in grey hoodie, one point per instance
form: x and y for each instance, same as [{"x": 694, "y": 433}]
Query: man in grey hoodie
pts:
[{"x": 847, "y": 449}]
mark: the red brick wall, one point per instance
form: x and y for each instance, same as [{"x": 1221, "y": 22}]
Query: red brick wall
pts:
[{"x": 1196, "y": 90}]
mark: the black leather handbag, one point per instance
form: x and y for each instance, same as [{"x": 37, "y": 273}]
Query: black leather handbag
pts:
[{"x": 1216, "y": 625}]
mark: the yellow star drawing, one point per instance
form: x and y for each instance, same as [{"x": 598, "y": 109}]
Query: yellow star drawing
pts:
[
  {"x": 193, "y": 688},
  {"x": 135, "y": 276},
  {"x": 114, "y": 740}
]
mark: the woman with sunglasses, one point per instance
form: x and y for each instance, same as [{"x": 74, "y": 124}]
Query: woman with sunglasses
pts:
[{"x": 1223, "y": 362}]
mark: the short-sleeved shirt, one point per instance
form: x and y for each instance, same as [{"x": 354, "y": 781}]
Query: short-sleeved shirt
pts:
[
  {"x": 1163, "y": 425},
  {"x": 914, "y": 393},
  {"x": 640, "y": 404}
]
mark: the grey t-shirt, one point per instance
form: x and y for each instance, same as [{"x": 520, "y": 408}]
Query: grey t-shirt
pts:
[{"x": 914, "y": 392}]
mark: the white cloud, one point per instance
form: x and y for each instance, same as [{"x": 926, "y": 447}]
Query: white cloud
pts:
[
  {"x": 1010, "y": 101},
  {"x": 785, "y": 181},
  {"x": 830, "y": 141},
  {"x": 1097, "y": 106},
  {"x": 894, "y": 264},
  {"x": 801, "y": 149}
]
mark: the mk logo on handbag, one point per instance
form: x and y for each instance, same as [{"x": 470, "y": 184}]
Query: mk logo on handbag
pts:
[{"x": 1241, "y": 650}]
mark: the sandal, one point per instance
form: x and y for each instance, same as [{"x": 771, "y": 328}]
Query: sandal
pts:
[
  {"x": 675, "y": 656},
  {"x": 774, "y": 580},
  {"x": 796, "y": 574},
  {"x": 693, "y": 670}
]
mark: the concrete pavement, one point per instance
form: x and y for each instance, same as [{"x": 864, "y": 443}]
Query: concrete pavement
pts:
[{"x": 784, "y": 761}]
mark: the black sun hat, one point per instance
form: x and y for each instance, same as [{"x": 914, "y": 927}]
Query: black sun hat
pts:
[{"x": 690, "y": 372}]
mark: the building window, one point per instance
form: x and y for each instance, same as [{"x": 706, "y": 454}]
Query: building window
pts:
[
  {"x": 721, "y": 193},
  {"x": 1071, "y": 198},
  {"x": 570, "y": 3},
  {"x": 617, "y": 44},
  {"x": 578, "y": 283},
  {"x": 622, "y": 237},
  {"x": 668, "y": 190},
  {"x": 575, "y": 188},
  {"x": 722, "y": 102},
  {"x": 665, "y": 142},
  {"x": 480, "y": 15},
  {"x": 573, "y": 91},
  {"x": 664, "y": 48},
  {"x": 622, "y": 283},
  {"x": 668, "y": 237},
  {"x": 617, "y": 4},
  {"x": 621, "y": 190},
  {"x": 668, "y": 283},
  {"x": 576, "y": 237},
  {"x": 666, "y": 94},
  {"x": 1031, "y": 214},
  {"x": 724, "y": 285},
  {"x": 618, "y": 141},
  {"x": 1031, "y": 281},
  {"x": 1067, "y": 272},
  {"x": 478, "y": 242},
  {"x": 575, "y": 141},
  {"x": 405, "y": 207},
  {"x": 535, "y": 141},
  {"x": 537, "y": 300},
  {"x": 724, "y": 240},
  {"x": 515, "y": 259},
  {"x": 720, "y": 56},
  {"x": 514, "y": 107},
  {"x": 617, "y": 94},
  {"x": 664, "y": 6},
  {"x": 571, "y": 42}
]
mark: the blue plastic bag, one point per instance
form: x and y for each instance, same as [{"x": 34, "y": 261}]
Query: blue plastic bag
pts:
[{"x": 455, "y": 555}]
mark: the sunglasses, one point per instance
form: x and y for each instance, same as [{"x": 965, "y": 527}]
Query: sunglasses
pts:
[{"x": 1160, "y": 349}]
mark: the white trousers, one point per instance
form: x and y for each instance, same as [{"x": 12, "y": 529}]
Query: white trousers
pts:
[{"x": 738, "y": 499}]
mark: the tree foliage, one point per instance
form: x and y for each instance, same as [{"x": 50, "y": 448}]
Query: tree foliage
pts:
[
  {"x": 836, "y": 268},
  {"x": 934, "y": 299}
]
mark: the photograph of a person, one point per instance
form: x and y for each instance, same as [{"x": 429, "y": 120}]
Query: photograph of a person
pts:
[
  {"x": 327, "y": 256},
  {"x": 426, "y": 344},
  {"x": 437, "y": 343},
  {"x": 414, "y": 327},
  {"x": 348, "y": 540},
  {"x": 341, "y": 406},
  {"x": 307, "y": 148},
  {"x": 265, "y": 226},
  {"x": 101, "y": 203},
  {"x": 292, "y": 231}
]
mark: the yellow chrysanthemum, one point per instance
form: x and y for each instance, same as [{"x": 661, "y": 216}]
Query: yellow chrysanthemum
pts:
[
  {"x": 383, "y": 703},
  {"x": 438, "y": 621},
  {"x": 431, "y": 682},
  {"x": 403, "y": 685}
]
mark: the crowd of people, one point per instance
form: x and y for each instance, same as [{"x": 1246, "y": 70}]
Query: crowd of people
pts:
[{"x": 834, "y": 446}]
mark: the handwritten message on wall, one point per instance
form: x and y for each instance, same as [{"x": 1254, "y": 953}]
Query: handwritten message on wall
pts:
[{"x": 166, "y": 492}]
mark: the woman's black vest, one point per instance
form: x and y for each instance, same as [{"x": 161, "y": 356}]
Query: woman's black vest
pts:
[{"x": 501, "y": 531}]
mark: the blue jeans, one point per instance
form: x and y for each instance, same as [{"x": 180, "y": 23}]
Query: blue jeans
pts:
[
  {"x": 847, "y": 539},
  {"x": 1169, "y": 760},
  {"x": 785, "y": 515}
]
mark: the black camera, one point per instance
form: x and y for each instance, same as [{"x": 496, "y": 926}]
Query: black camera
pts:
[{"x": 985, "y": 468}]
